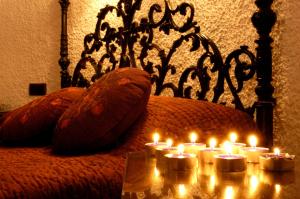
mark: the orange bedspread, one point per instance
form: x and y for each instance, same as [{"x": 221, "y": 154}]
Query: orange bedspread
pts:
[{"x": 37, "y": 173}]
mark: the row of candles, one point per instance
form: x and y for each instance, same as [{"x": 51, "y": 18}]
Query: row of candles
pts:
[{"x": 231, "y": 156}]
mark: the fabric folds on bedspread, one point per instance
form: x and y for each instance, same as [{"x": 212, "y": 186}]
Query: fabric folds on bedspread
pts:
[
  {"x": 37, "y": 173},
  {"x": 176, "y": 117}
]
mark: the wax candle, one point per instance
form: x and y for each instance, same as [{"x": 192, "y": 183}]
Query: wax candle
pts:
[
  {"x": 277, "y": 161},
  {"x": 151, "y": 147},
  {"x": 193, "y": 147},
  {"x": 181, "y": 161},
  {"x": 253, "y": 152},
  {"x": 206, "y": 155},
  {"x": 229, "y": 162}
]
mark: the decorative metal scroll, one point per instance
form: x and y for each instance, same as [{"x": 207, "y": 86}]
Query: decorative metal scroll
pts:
[{"x": 209, "y": 62}]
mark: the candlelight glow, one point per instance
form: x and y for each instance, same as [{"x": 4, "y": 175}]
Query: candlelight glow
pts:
[
  {"x": 181, "y": 190},
  {"x": 277, "y": 188},
  {"x": 276, "y": 151},
  {"x": 229, "y": 192},
  {"x": 169, "y": 142},
  {"x": 253, "y": 184},
  {"x": 156, "y": 176},
  {"x": 212, "y": 183},
  {"x": 212, "y": 143},
  {"x": 252, "y": 141},
  {"x": 155, "y": 138},
  {"x": 233, "y": 137},
  {"x": 193, "y": 137},
  {"x": 180, "y": 148},
  {"x": 156, "y": 172},
  {"x": 227, "y": 147}
]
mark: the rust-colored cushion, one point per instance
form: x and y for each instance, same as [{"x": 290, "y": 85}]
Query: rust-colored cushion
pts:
[
  {"x": 36, "y": 120},
  {"x": 109, "y": 107},
  {"x": 177, "y": 117}
]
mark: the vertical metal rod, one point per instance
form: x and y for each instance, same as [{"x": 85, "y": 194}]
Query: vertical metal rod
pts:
[
  {"x": 263, "y": 20},
  {"x": 64, "y": 61}
]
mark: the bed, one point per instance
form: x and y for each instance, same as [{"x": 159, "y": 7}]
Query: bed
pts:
[{"x": 35, "y": 171}]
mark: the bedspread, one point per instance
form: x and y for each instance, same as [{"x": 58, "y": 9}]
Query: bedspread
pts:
[{"x": 37, "y": 173}]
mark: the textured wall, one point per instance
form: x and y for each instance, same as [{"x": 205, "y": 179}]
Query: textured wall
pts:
[
  {"x": 29, "y": 43},
  {"x": 30, "y": 46},
  {"x": 286, "y": 79}
]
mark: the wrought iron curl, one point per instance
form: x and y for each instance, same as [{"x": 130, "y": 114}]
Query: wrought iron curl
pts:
[
  {"x": 200, "y": 72},
  {"x": 167, "y": 22},
  {"x": 243, "y": 71}
]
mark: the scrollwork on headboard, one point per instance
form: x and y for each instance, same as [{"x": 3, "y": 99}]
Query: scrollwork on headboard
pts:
[{"x": 244, "y": 64}]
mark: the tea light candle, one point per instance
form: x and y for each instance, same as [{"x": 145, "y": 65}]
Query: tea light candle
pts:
[
  {"x": 206, "y": 155},
  {"x": 151, "y": 147},
  {"x": 181, "y": 161},
  {"x": 277, "y": 161},
  {"x": 161, "y": 152},
  {"x": 253, "y": 152},
  {"x": 229, "y": 162},
  {"x": 236, "y": 146},
  {"x": 193, "y": 147}
]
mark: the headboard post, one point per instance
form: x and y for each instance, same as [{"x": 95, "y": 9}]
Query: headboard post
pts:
[
  {"x": 64, "y": 61},
  {"x": 263, "y": 20}
]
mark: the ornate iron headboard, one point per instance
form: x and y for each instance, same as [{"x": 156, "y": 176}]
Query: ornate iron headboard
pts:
[{"x": 133, "y": 32}]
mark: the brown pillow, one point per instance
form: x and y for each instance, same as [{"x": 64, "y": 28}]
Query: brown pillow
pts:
[
  {"x": 109, "y": 107},
  {"x": 36, "y": 120},
  {"x": 177, "y": 117}
]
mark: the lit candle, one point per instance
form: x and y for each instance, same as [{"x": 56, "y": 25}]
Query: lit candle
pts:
[
  {"x": 236, "y": 146},
  {"x": 181, "y": 161},
  {"x": 277, "y": 161},
  {"x": 253, "y": 152},
  {"x": 206, "y": 155},
  {"x": 161, "y": 152},
  {"x": 229, "y": 162},
  {"x": 193, "y": 147},
  {"x": 151, "y": 147}
]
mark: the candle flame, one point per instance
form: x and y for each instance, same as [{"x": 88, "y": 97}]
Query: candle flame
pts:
[
  {"x": 180, "y": 148},
  {"x": 233, "y": 137},
  {"x": 169, "y": 142},
  {"x": 193, "y": 137},
  {"x": 212, "y": 143},
  {"x": 276, "y": 151},
  {"x": 252, "y": 141},
  {"x": 155, "y": 138},
  {"x": 227, "y": 147}
]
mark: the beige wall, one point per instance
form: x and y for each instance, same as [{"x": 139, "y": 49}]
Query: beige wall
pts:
[{"x": 29, "y": 45}]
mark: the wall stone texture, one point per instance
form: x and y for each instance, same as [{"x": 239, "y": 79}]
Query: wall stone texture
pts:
[{"x": 30, "y": 36}]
